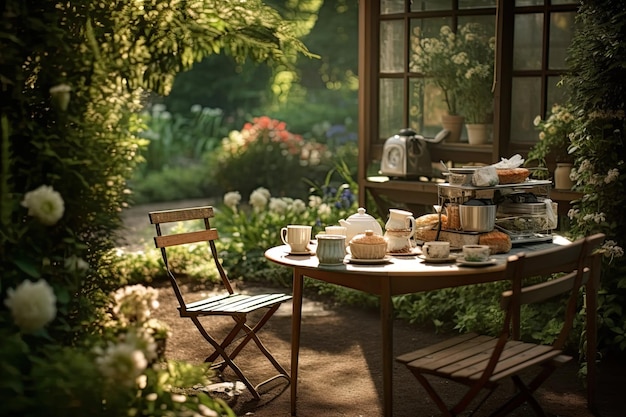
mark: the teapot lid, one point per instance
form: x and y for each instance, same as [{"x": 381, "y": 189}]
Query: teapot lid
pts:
[{"x": 361, "y": 215}]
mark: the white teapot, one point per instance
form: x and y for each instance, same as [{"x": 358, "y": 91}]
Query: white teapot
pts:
[{"x": 359, "y": 223}]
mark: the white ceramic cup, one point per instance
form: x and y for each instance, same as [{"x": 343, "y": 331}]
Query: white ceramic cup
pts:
[
  {"x": 297, "y": 237},
  {"x": 436, "y": 250},
  {"x": 476, "y": 253},
  {"x": 331, "y": 249}
]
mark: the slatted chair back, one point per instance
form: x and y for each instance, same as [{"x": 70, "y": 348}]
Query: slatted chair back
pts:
[
  {"x": 164, "y": 241},
  {"x": 560, "y": 259}
]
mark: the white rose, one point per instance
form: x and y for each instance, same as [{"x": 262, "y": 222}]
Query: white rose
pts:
[
  {"x": 45, "y": 204},
  {"x": 32, "y": 305}
]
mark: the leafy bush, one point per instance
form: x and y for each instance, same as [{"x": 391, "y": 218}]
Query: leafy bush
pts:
[
  {"x": 265, "y": 154},
  {"x": 72, "y": 82}
]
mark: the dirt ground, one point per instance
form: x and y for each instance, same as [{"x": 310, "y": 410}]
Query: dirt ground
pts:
[{"x": 340, "y": 371}]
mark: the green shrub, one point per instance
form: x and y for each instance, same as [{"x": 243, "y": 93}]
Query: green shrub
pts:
[{"x": 265, "y": 154}]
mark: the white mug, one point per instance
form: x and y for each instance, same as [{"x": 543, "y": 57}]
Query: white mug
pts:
[
  {"x": 476, "y": 253},
  {"x": 297, "y": 237},
  {"x": 436, "y": 250}
]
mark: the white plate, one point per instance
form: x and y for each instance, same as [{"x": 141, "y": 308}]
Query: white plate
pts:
[
  {"x": 437, "y": 260},
  {"x": 384, "y": 260},
  {"x": 461, "y": 260}
]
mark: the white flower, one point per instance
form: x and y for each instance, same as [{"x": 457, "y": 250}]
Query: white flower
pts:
[
  {"x": 611, "y": 176},
  {"x": 32, "y": 305},
  {"x": 612, "y": 250},
  {"x": 232, "y": 199},
  {"x": 196, "y": 108},
  {"x": 259, "y": 198},
  {"x": 537, "y": 121},
  {"x": 573, "y": 213},
  {"x": 44, "y": 204},
  {"x": 298, "y": 206},
  {"x": 314, "y": 201},
  {"x": 134, "y": 303},
  {"x": 121, "y": 363},
  {"x": 142, "y": 339},
  {"x": 278, "y": 205},
  {"x": 324, "y": 210}
]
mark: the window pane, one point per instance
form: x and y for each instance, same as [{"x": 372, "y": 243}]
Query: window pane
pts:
[
  {"x": 421, "y": 29},
  {"x": 561, "y": 33},
  {"x": 434, "y": 108},
  {"x": 391, "y": 6},
  {"x": 527, "y": 42},
  {"x": 391, "y": 105},
  {"x": 565, "y": 2},
  {"x": 420, "y": 6},
  {"x": 392, "y": 46},
  {"x": 525, "y": 106},
  {"x": 556, "y": 94},
  {"x": 474, "y": 4},
  {"x": 416, "y": 107},
  {"x": 486, "y": 21},
  {"x": 520, "y": 3}
]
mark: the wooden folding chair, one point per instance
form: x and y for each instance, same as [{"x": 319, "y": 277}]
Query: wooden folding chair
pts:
[
  {"x": 483, "y": 362},
  {"x": 231, "y": 304}
]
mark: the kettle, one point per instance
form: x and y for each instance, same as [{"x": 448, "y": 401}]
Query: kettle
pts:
[
  {"x": 359, "y": 223},
  {"x": 406, "y": 155}
]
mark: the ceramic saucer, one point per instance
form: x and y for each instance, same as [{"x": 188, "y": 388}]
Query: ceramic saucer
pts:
[
  {"x": 437, "y": 260},
  {"x": 384, "y": 260},
  {"x": 461, "y": 261},
  {"x": 305, "y": 253}
]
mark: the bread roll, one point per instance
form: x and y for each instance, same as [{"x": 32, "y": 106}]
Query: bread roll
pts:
[
  {"x": 498, "y": 242},
  {"x": 430, "y": 220}
]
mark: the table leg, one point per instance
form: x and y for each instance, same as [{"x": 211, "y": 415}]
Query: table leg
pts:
[
  {"x": 296, "y": 317},
  {"x": 386, "y": 320}
]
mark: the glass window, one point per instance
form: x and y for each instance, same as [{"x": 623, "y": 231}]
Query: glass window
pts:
[
  {"x": 556, "y": 94},
  {"x": 525, "y": 106},
  {"x": 391, "y": 6},
  {"x": 391, "y": 106},
  {"x": 561, "y": 33},
  {"x": 426, "y": 5},
  {"x": 392, "y": 46},
  {"x": 474, "y": 4},
  {"x": 527, "y": 42}
]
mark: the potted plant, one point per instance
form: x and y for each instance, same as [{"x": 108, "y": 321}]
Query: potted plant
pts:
[
  {"x": 461, "y": 65},
  {"x": 437, "y": 58},
  {"x": 554, "y": 141},
  {"x": 475, "y": 92}
]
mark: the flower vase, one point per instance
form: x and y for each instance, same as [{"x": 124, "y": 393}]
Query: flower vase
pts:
[
  {"x": 455, "y": 125},
  {"x": 477, "y": 134},
  {"x": 562, "y": 179}
]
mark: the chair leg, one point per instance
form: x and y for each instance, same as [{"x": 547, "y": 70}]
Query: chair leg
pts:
[
  {"x": 226, "y": 342},
  {"x": 227, "y": 359},
  {"x": 524, "y": 394},
  {"x": 433, "y": 394}
]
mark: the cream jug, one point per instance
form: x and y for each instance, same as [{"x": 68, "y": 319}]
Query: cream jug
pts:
[{"x": 399, "y": 229}]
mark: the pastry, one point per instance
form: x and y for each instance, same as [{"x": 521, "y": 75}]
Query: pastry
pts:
[
  {"x": 512, "y": 175},
  {"x": 498, "y": 242}
]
